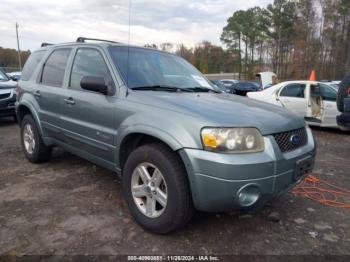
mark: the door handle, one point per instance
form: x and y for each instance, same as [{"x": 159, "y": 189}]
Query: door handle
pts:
[
  {"x": 37, "y": 93},
  {"x": 69, "y": 101}
]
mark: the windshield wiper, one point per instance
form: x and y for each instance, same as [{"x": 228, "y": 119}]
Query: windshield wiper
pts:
[
  {"x": 201, "y": 89},
  {"x": 161, "y": 88}
]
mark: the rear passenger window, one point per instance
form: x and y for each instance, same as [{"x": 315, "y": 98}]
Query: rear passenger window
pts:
[
  {"x": 31, "y": 64},
  {"x": 54, "y": 68},
  {"x": 293, "y": 90},
  {"x": 87, "y": 62}
]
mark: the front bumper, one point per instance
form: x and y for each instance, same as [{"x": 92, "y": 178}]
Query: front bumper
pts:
[
  {"x": 7, "y": 105},
  {"x": 217, "y": 179}
]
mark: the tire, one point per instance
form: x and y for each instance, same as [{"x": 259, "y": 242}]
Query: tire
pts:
[
  {"x": 178, "y": 210},
  {"x": 39, "y": 151},
  {"x": 343, "y": 92}
]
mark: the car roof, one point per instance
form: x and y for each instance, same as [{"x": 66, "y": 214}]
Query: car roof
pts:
[
  {"x": 104, "y": 44},
  {"x": 281, "y": 84}
]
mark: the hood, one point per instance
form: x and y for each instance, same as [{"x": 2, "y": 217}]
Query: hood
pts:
[
  {"x": 8, "y": 84},
  {"x": 223, "y": 110}
]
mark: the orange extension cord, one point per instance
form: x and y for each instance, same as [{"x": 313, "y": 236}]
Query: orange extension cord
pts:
[{"x": 321, "y": 191}]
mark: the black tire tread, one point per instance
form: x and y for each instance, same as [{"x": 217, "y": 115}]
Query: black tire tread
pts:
[{"x": 187, "y": 210}]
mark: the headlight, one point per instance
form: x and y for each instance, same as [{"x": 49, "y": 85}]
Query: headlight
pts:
[{"x": 232, "y": 140}]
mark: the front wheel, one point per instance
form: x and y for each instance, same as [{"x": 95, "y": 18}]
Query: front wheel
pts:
[{"x": 156, "y": 189}]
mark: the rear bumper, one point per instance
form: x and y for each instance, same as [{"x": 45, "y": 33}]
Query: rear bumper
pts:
[{"x": 218, "y": 179}]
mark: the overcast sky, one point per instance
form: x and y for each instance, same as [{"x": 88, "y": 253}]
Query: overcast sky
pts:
[{"x": 152, "y": 21}]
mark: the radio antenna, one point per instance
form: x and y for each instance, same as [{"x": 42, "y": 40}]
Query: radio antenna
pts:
[{"x": 127, "y": 68}]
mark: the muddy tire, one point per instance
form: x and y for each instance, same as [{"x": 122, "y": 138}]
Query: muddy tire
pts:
[
  {"x": 33, "y": 146},
  {"x": 156, "y": 189}
]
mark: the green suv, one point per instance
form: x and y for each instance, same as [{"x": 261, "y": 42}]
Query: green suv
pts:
[{"x": 177, "y": 143}]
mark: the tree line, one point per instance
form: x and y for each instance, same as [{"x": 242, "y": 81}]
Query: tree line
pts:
[
  {"x": 9, "y": 58},
  {"x": 288, "y": 37},
  {"x": 292, "y": 38}
]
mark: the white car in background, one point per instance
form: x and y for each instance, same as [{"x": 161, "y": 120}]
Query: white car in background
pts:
[{"x": 315, "y": 101}]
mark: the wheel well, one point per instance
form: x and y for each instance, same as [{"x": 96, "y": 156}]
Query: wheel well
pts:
[
  {"x": 133, "y": 141},
  {"x": 21, "y": 112}
]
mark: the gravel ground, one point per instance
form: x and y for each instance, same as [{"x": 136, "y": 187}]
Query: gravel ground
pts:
[{"x": 71, "y": 207}]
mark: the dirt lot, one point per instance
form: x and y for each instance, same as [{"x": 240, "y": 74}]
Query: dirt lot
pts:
[{"x": 69, "y": 206}]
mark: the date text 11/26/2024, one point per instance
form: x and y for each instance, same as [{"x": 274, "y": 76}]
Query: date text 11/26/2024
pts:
[{"x": 173, "y": 258}]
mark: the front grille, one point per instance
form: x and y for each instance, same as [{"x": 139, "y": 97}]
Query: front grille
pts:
[
  {"x": 4, "y": 96},
  {"x": 285, "y": 139}
]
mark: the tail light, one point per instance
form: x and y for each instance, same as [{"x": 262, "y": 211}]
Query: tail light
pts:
[{"x": 349, "y": 90}]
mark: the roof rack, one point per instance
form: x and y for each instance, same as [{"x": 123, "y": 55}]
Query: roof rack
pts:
[
  {"x": 81, "y": 39},
  {"x": 45, "y": 44}
]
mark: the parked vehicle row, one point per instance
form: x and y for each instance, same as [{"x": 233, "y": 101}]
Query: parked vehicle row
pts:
[
  {"x": 15, "y": 76},
  {"x": 178, "y": 144},
  {"x": 314, "y": 101},
  {"x": 237, "y": 87},
  {"x": 7, "y": 95}
]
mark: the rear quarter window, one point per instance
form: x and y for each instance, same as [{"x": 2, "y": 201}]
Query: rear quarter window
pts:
[
  {"x": 31, "y": 64},
  {"x": 55, "y": 67}
]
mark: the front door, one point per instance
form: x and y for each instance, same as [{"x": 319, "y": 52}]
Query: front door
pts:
[
  {"x": 88, "y": 117},
  {"x": 329, "y": 110}
]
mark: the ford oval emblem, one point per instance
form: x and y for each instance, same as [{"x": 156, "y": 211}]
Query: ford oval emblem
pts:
[{"x": 295, "y": 139}]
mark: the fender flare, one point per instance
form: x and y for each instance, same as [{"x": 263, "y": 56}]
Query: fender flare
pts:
[
  {"x": 33, "y": 112},
  {"x": 160, "y": 134}
]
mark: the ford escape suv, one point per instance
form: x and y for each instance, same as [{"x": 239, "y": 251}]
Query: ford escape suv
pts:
[{"x": 152, "y": 118}]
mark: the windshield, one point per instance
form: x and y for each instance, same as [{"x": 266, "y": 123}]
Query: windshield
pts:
[
  {"x": 3, "y": 76},
  {"x": 335, "y": 86},
  {"x": 153, "y": 68}
]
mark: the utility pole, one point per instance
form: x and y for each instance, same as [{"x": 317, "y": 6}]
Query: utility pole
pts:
[{"x": 18, "y": 50}]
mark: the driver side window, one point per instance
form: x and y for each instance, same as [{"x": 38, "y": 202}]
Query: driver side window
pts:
[
  {"x": 87, "y": 62},
  {"x": 293, "y": 90}
]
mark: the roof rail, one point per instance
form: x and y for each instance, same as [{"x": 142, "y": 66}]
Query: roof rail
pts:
[
  {"x": 45, "y": 44},
  {"x": 81, "y": 39}
]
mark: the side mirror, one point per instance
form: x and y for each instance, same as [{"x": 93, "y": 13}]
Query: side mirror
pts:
[
  {"x": 14, "y": 78},
  {"x": 95, "y": 84}
]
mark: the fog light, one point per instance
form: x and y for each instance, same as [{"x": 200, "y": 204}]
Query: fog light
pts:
[{"x": 248, "y": 195}]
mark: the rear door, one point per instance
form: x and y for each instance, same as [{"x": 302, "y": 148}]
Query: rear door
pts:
[
  {"x": 330, "y": 111},
  {"x": 88, "y": 117},
  {"x": 292, "y": 97},
  {"x": 49, "y": 91}
]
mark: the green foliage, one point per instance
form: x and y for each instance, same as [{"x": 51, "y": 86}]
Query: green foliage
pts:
[{"x": 9, "y": 57}]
